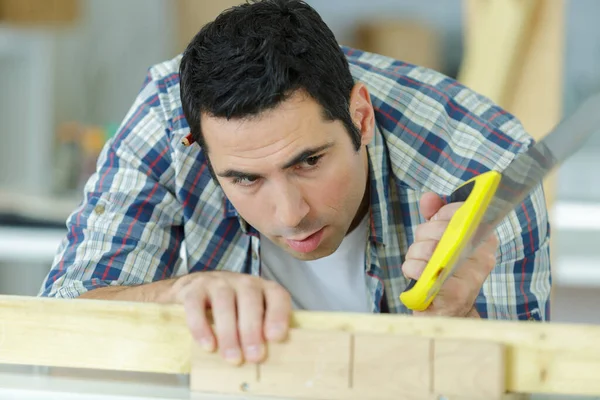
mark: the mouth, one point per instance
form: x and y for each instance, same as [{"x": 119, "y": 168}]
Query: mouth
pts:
[
  {"x": 304, "y": 237},
  {"x": 308, "y": 243}
]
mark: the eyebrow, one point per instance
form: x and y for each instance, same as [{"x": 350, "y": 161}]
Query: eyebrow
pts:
[{"x": 300, "y": 157}]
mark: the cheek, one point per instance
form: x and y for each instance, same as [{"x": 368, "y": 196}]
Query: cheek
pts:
[{"x": 337, "y": 189}]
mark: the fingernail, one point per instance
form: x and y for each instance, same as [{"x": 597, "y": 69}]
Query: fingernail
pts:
[
  {"x": 254, "y": 351},
  {"x": 206, "y": 344},
  {"x": 276, "y": 331},
  {"x": 233, "y": 355}
]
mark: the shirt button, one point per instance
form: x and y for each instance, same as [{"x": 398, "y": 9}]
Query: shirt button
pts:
[
  {"x": 99, "y": 209},
  {"x": 254, "y": 256}
]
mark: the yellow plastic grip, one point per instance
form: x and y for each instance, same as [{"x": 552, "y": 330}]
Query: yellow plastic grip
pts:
[{"x": 477, "y": 193}]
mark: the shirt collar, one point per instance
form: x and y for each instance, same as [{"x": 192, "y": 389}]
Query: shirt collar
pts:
[
  {"x": 379, "y": 189},
  {"x": 378, "y": 176},
  {"x": 229, "y": 211}
]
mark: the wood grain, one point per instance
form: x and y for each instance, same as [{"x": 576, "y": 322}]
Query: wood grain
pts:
[
  {"x": 394, "y": 364},
  {"x": 308, "y": 364},
  {"x": 469, "y": 368}
]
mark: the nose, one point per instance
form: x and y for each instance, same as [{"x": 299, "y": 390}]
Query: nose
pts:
[{"x": 290, "y": 207}]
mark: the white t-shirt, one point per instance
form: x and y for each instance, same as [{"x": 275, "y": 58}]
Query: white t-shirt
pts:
[{"x": 333, "y": 283}]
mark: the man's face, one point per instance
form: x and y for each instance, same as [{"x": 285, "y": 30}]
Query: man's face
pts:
[{"x": 291, "y": 174}]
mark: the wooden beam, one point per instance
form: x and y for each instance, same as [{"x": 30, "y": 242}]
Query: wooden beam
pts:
[
  {"x": 540, "y": 357},
  {"x": 336, "y": 365},
  {"x": 496, "y": 36}
]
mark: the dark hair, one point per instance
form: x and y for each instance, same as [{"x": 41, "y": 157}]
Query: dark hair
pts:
[{"x": 255, "y": 55}]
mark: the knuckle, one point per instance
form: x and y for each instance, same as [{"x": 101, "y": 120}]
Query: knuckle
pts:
[
  {"x": 495, "y": 241},
  {"x": 221, "y": 293},
  {"x": 275, "y": 288},
  {"x": 251, "y": 332},
  {"x": 214, "y": 282},
  {"x": 491, "y": 260},
  {"x": 226, "y": 333},
  {"x": 246, "y": 281},
  {"x": 189, "y": 299},
  {"x": 419, "y": 231}
]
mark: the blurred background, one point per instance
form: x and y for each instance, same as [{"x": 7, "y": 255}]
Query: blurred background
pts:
[{"x": 70, "y": 69}]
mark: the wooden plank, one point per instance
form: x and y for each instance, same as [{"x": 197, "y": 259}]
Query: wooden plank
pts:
[
  {"x": 473, "y": 369},
  {"x": 317, "y": 360},
  {"x": 541, "y": 357},
  {"x": 495, "y": 40},
  {"x": 309, "y": 364},
  {"x": 326, "y": 365},
  {"x": 210, "y": 373},
  {"x": 394, "y": 364},
  {"x": 565, "y": 346},
  {"x": 94, "y": 334}
]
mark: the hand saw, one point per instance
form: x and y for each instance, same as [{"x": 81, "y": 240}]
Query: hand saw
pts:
[{"x": 489, "y": 197}]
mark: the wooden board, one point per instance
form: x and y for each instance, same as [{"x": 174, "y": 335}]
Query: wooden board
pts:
[
  {"x": 496, "y": 36},
  {"x": 327, "y": 365},
  {"x": 471, "y": 367},
  {"x": 540, "y": 358},
  {"x": 394, "y": 364},
  {"x": 93, "y": 334}
]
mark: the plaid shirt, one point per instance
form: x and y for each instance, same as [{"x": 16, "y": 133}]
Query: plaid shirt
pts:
[{"x": 150, "y": 193}]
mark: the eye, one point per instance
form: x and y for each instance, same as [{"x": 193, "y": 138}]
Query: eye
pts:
[
  {"x": 312, "y": 161},
  {"x": 246, "y": 181}
]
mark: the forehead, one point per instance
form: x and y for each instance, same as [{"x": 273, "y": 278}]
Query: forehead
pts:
[{"x": 299, "y": 121}]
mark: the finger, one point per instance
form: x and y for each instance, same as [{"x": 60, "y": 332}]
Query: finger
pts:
[
  {"x": 250, "y": 306},
  {"x": 278, "y": 310},
  {"x": 493, "y": 242},
  {"x": 222, "y": 299},
  {"x": 413, "y": 269},
  {"x": 195, "y": 306},
  {"x": 432, "y": 230},
  {"x": 430, "y": 204},
  {"x": 447, "y": 212},
  {"x": 421, "y": 250}
]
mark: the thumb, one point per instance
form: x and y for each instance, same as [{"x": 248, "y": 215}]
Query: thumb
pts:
[{"x": 430, "y": 204}]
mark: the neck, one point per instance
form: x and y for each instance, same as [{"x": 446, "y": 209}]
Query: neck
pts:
[{"x": 362, "y": 209}]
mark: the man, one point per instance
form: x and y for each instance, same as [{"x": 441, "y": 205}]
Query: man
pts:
[{"x": 318, "y": 181}]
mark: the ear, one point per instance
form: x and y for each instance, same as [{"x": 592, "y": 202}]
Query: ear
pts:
[{"x": 362, "y": 113}]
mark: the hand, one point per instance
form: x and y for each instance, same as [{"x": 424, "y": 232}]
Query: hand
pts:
[
  {"x": 457, "y": 296},
  {"x": 246, "y": 311}
]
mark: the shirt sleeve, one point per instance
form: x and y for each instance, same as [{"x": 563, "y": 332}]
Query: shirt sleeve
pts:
[
  {"x": 519, "y": 286},
  {"x": 128, "y": 228}
]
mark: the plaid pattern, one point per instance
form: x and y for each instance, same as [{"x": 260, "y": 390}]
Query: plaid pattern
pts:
[{"x": 150, "y": 193}]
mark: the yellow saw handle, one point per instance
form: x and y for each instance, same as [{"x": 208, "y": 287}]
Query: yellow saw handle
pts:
[{"x": 477, "y": 193}]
